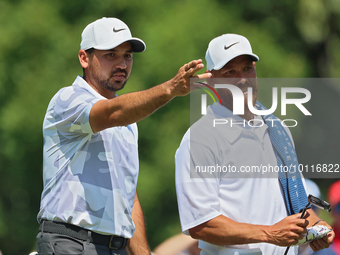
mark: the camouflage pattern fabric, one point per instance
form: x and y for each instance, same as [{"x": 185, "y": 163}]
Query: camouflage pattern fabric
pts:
[{"x": 89, "y": 178}]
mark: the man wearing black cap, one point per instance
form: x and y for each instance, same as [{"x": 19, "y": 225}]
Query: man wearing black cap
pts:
[
  {"x": 229, "y": 210},
  {"x": 89, "y": 203}
]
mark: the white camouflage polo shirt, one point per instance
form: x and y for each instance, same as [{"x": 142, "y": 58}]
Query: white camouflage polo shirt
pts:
[{"x": 89, "y": 178}]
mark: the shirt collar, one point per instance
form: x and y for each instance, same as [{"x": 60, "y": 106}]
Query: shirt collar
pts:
[
  {"x": 218, "y": 111},
  {"x": 83, "y": 84}
]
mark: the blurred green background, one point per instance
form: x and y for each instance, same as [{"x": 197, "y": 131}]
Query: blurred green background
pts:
[{"x": 39, "y": 42}]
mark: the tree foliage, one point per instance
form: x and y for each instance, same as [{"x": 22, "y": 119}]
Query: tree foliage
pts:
[{"x": 38, "y": 55}]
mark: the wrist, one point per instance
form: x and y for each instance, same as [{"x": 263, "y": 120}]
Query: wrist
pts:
[
  {"x": 266, "y": 237},
  {"x": 322, "y": 222},
  {"x": 168, "y": 88},
  {"x": 317, "y": 223}
]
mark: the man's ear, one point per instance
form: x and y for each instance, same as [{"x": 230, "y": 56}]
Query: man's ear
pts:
[{"x": 83, "y": 59}]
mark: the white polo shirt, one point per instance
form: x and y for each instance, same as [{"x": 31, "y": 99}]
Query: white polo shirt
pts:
[
  {"x": 89, "y": 178},
  {"x": 244, "y": 197}
]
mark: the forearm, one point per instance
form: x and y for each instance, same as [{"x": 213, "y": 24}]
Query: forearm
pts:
[
  {"x": 224, "y": 231},
  {"x": 138, "y": 243},
  {"x": 133, "y": 107},
  {"x": 128, "y": 108}
]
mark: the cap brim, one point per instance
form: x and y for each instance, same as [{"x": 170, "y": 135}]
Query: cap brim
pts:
[
  {"x": 225, "y": 61},
  {"x": 137, "y": 45}
]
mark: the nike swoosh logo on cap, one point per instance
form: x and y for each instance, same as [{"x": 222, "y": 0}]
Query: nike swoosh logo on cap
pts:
[
  {"x": 118, "y": 30},
  {"x": 225, "y": 47}
]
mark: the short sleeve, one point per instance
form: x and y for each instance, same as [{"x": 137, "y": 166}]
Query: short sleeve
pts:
[
  {"x": 69, "y": 112},
  {"x": 198, "y": 197}
]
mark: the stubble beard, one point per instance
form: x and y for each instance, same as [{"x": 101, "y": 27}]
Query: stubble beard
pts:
[{"x": 109, "y": 85}]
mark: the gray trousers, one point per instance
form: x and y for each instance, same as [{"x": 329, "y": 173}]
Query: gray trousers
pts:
[{"x": 56, "y": 244}]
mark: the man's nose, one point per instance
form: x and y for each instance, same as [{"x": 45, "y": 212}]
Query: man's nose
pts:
[
  {"x": 121, "y": 64},
  {"x": 240, "y": 80}
]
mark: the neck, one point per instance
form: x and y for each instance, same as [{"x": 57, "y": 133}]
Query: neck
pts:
[
  {"x": 248, "y": 115},
  {"x": 99, "y": 89}
]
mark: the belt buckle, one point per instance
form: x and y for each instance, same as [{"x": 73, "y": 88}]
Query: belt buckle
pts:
[{"x": 116, "y": 242}]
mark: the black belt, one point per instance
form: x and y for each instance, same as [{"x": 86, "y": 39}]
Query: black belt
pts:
[{"x": 112, "y": 241}]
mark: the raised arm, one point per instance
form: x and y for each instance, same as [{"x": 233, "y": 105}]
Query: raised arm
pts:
[{"x": 132, "y": 107}]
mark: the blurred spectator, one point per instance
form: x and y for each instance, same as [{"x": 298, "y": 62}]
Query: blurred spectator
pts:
[
  {"x": 334, "y": 200},
  {"x": 179, "y": 244}
]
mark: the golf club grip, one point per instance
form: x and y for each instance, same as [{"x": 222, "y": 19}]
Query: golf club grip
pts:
[{"x": 302, "y": 214}]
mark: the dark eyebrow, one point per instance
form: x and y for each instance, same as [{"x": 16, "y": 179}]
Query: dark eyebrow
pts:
[{"x": 128, "y": 51}]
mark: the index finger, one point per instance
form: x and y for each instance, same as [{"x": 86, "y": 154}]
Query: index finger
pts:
[
  {"x": 302, "y": 222},
  {"x": 203, "y": 76}
]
